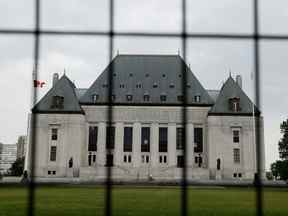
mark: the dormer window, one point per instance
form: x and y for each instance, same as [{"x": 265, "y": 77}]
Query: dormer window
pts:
[
  {"x": 94, "y": 98},
  {"x": 197, "y": 98},
  {"x": 57, "y": 102},
  {"x": 138, "y": 85},
  {"x": 146, "y": 97},
  {"x": 234, "y": 104},
  {"x": 155, "y": 85},
  {"x": 129, "y": 97},
  {"x": 180, "y": 98},
  {"x": 163, "y": 97}
]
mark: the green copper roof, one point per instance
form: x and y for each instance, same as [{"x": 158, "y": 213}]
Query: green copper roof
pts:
[
  {"x": 64, "y": 88},
  {"x": 152, "y": 75},
  {"x": 231, "y": 89}
]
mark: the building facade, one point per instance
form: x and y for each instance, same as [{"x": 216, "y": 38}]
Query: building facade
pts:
[
  {"x": 21, "y": 146},
  {"x": 145, "y": 140},
  {"x": 7, "y": 157}
]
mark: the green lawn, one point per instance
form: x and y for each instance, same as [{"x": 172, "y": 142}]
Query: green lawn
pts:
[{"x": 146, "y": 201}]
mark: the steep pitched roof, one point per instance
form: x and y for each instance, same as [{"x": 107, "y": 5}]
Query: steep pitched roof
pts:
[
  {"x": 64, "y": 88},
  {"x": 152, "y": 75},
  {"x": 229, "y": 90}
]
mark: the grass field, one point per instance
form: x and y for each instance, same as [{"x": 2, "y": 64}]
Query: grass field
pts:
[{"x": 143, "y": 201}]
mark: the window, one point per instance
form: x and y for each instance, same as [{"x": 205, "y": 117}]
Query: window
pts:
[
  {"x": 171, "y": 85},
  {"x": 236, "y": 155},
  {"x": 89, "y": 159},
  {"x": 234, "y": 104},
  {"x": 113, "y": 97},
  {"x": 197, "y": 98},
  {"x": 165, "y": 159},
  {"x": 145, "y": 139},
  {"x": 94, "y": 97},
  {"x": 109, "y": 160},
  {"x": 131, "y": 75},
  {"x": 49, "y": 172},
  {"x": 155, "y": 85},
  {"x": 180, "y": 161},
  {"x": 240, "y": 175},
  {"x": 147, "y": 159},
  {"x": 160, "y": 159},
  {"x": 235, "y": 175},
  {"x": 138, "y": 85},
  {"x": 110, "y": 137},
  {"x": 163, "y": 97},
  {"x": 53, "y": 153},
  {"x": 128, "y": 139},
  {"x": 105, "y": 85},
  {"x": 122, "y": 86},
  {"x": 93, "y": 134},
  {"x": 198, "y": 140},
  {"x": 94, "y": 158},
  {"x": 163, "y": 139},
  {"x": 54, "y": 172},
  {"x": 57, "y": 102},
  {"x": 180, "y": 98},
  {"x": 54, "y": 134},
  {"x": 163, "y": 75},
  {"x": 143, "y": 158},
  {"x": 125, "y": 158},
  {"x": 129, "y": 158},
  {"x": 236, "y": 136},
  {"x": 129, "y": 97},
  {"x": 146, "y": 97},
  {"x": 179, "y": 138}
]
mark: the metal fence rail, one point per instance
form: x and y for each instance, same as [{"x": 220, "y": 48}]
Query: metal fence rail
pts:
[{"x": 111, "y": 33}]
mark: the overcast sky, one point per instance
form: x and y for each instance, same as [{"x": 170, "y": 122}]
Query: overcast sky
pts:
[{"x": 84, "y": 58}]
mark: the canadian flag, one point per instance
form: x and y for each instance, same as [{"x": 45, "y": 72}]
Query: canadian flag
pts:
[{"x": 38, "y": 83}]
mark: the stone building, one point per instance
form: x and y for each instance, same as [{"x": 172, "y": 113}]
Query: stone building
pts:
[
  {"x": 21, "y": 146},
  {"x": 7, "y": 157},
  {"x": 145, "y": 139}
]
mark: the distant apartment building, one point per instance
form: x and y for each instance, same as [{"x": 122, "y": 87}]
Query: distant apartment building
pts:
[
  {"x": 7, "y": 156},
  {"x": 21, "y": 146}
]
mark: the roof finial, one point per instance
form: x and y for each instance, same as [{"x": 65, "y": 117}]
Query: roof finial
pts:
[
  {"x": 64, "y": 71},
  {"x": 179, "y": 52},
  {"x": 230, "y": 73},
  {"x": 117, "y": 51}
]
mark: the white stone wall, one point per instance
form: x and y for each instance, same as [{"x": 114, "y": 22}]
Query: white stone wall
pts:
[
  {"x": 220, "y": 139},
  {"x": 70, "y": 143},
  {"x": 74, "y": 133}
]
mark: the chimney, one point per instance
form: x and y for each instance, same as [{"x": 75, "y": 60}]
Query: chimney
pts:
[
  {"x": 239, "y": 80},
  {"x": 55, "y": 78}
]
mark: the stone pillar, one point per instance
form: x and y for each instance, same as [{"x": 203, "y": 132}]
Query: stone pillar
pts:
[
  {"x": 118, "y": 151},
  {"x": 190, "y": 144},
  {"x": 136, "y": 148},
  {"x": 154, "y": 148},
  {"x": 172, "y": 144},
  {"x": 101, "y": 145}
]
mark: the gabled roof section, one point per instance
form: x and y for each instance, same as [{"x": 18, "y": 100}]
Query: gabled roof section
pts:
[
  {"x": 63, "y": 88},
  {"x": 230, "y": 90},
  {"x": 152, "y": 75}
]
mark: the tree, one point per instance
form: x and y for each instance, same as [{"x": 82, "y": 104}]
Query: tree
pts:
[
  {"x": 279, "y": 168},
  {"x": 283, "y": 143},
  {"x": 17, "y": 167}
]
